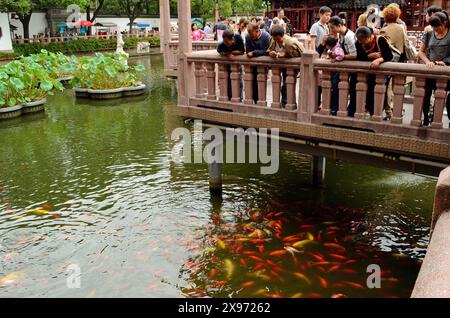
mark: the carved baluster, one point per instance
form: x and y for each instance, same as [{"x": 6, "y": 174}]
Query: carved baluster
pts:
[
  {"x": 326, "y": 92},
  {"x": 343, "y": 94},
  {"x": 262, "y": 86},
  {"x": 439, "y": 101},
  {"x": 211, "y": 75},
  {"x": 248, "y": 84},
  {"x": 361, "y": 92},
  {"x": 199, "y": 78},
  {"x": 235, "y": 83},
  {"x": 223, "y": 82},
  {"x": 379, "y": 92},
  {"x": 276, "y": 85},
  {"x": 398, "y": 87},
  {"x": 419, "y": 93},
  {"x": 290, "y": 83}
]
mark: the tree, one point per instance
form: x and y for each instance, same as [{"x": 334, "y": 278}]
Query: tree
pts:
[
  {"x": 24, "y": 9},
  {"x": 133, "y": 9}
]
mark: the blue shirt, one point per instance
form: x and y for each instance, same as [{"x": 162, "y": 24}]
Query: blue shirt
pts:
[{"x": 258, "y": 46}]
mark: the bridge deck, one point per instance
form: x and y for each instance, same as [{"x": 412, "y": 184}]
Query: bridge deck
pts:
[{"x": 203, "y": 94}]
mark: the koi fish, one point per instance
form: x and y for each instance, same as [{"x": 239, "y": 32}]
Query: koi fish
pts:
[
  {"x": 278, "y": 253},
  {"x": 349, "y": 271},
  {"x": 257, "y": 241},
  {"x": 256, "y": 258},
  {"x": 356, "y": 285},
  {"x": 243, "y": 262},
  {"x": 258, "y": 266},
  {"x": 218, "y": 283},
  {"x": 291, "y": 250},
  {"x": 261, "y": 248},
  {"x": 318, "y": 257},
  {"x": 10, "y": 278},
  {"x": 221, "y": 244},
  {"x": 305, "y": 227},
  {"x": 229, "y": 267},
  {"x": 338, "y": 296},
  {"x": 247, "y": 284},
  {"x": 297, "y": 295},
  {"x": 302, "y": 277},
  {"x": 309, "y": 236},
  {"x": 334, "y": 268},
  {"x": 339, "y": 257},
  {"x": 38, "y": 212},
  {"x": 322, "y": 282},
  {"x": 334, "y": 246},
  {"x": 212, "y": 273},
  {"x": 302, "y": 243}
]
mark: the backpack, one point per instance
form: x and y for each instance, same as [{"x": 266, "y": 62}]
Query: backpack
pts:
[{"x": 395, "y": 52}]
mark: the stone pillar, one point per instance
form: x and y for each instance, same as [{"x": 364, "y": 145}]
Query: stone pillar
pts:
[
  {"x": 318, "y": 165},
  {"x": 185, "y": 70},
  {"x": 164, "y": 30}
]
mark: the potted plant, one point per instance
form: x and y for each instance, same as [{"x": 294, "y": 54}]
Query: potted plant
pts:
[{"x": 107, "y": 76}]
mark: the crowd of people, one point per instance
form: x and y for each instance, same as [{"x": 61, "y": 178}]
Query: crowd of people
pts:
[{"x": 379, "y": 38}]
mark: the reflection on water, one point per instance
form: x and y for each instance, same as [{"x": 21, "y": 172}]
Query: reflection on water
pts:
[{"x": 93, "y": 184}]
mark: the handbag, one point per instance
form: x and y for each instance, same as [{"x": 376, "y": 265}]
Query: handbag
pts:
[{"x": 410, "y": 50}]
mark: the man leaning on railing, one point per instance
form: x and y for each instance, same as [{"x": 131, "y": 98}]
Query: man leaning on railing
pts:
[
  {"x": 256, "y": 44},
  {"x": 283, "y": 46},
  {"x": 231, "y": 45}
]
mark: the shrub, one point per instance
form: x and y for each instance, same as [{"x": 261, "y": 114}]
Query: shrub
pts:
[{"x": 82, "y": 45}]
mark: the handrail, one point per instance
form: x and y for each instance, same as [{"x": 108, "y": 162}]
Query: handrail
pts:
[{"x": 387, "y": 68}]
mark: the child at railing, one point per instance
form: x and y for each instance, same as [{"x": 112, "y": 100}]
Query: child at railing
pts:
[{"x": 335, "y": 51}]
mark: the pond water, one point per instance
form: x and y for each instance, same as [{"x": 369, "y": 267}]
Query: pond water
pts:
[{"x": 90, "y": 186}]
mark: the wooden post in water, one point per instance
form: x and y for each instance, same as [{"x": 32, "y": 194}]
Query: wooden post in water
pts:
[
  {"x": 215, "y": 169},
  {"x": 318, "y": 164}
]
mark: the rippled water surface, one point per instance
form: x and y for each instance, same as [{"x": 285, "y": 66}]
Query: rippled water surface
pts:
[{"x": 93, "y": 184}]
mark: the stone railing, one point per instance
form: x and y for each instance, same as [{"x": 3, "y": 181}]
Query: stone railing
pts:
[
  {"x": 64, "y": 38},
  {"x": 434, "y": 276},
  {"x": 172, "y": 56},
  {"x": 213, "y": 89}
]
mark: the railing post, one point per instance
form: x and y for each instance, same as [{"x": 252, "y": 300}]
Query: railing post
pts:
[
  {"x": 290, "y": 90},
  {"x": 199, "y": 80},
  {"x": 262, "y": 86},
  {"x": 361, "y": 92},
  {"x": 398, "y": 87},
  {"x": 235, "y": 83},
  {"x": 307, "y": 97},
  {"x": 211, "y": 76},
  {"x": 248, "y": 84},
  {"x": 439, "y": 101},
  {"x": 419, "y": 93},
  {"x": 185, "y": 69},
  {"x": 343, "y": 94},
  {"x": 276, "y": 82},
  {"x": 223, "y": 82},
  {"x": 378, "y": 102},
  {"x": 326, "y": 92}
]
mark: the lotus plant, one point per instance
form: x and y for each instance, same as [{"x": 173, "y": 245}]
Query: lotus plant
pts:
[{"x": 106, "y": 71}]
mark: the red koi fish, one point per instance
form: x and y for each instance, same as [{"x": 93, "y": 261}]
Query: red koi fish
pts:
[
  {"x": 339, "y": 257},
  {"x": 278, "y": 253},
  {"x": 323, "y": 282},
  {"x": 247, "y": 284}
]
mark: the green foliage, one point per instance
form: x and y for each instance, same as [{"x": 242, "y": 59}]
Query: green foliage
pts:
[
  {"x": 30, "y": 78},
  {"x": 82, "y": 45},
  {"x": 106, "y": 71}
]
